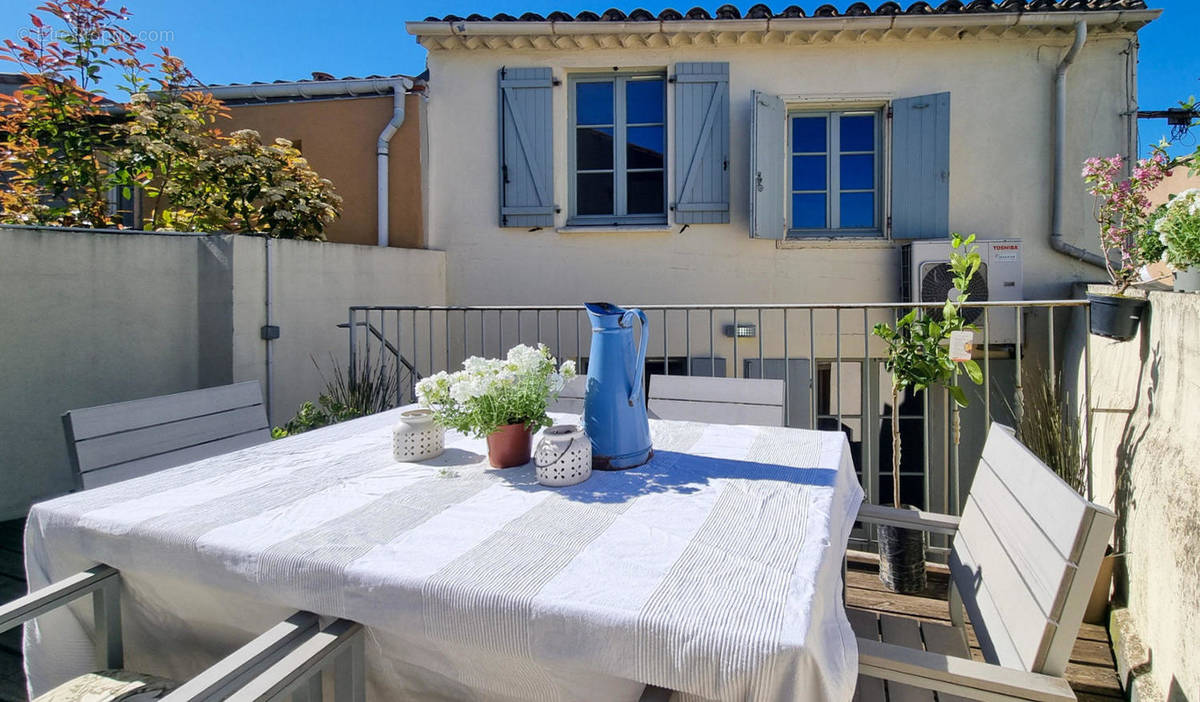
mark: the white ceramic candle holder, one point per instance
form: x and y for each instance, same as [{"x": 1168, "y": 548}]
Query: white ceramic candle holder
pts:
[
  {"x": 416, "y": 437},
  {"x": 563, "y": 456}
]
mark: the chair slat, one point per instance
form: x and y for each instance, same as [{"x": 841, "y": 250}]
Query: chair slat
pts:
[
  {"x": 948, "y": 641},
  {"x": 717, "y": 413},
  {"x": 153, "y": 464},
  {"x": 1052, "y": 504},
  {"x": 115, "y": 449},
  {"x": 91, "y": 422},
  {"x": 747, "y": 391},
  {"x": 902, "y": 631},
  {"x": 1033, "y": 555},
  {"x": 1008, "y": 620},
  {"x": 570, "y": 400}
]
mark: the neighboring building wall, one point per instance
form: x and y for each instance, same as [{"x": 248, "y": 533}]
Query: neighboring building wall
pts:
[
  {"x": 91, "y": 318},
  {"x": 1179, "y": 180},
  {"x": 1143, "y": 458},
  {"x": 338, "y": 137},
  {"x": 1000, "y": 182}
]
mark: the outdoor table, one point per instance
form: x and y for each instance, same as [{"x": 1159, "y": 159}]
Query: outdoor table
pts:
[{"x": 715, "y": 569}]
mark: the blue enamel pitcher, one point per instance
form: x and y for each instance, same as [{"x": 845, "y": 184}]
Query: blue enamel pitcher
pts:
[{"x": 614, "y": 408}]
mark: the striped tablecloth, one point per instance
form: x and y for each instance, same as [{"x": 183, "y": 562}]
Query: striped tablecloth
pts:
[{"x": 714, "y": 569}]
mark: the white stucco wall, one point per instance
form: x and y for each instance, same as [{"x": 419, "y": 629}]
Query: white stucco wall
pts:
[
  {"x": 1000, "y": 183},
  {"x": 92, "y": 318},
  {"x": 1143, "y": 443}
]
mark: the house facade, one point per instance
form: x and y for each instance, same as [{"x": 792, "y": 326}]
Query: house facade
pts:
[
  {"x": 337, "y": 124},
  {"x": 765, "y": 158}
]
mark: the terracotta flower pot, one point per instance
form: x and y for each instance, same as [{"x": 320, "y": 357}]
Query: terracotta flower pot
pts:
[{"x": 510, "y": 445}]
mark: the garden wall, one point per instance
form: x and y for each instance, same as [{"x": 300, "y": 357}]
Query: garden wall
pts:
[
  {"x": 91, "y": 317},
  {"x": 1146, "y": 430}
]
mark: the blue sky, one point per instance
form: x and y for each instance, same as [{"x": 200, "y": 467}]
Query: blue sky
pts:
[{"x": 227, "y": 41}]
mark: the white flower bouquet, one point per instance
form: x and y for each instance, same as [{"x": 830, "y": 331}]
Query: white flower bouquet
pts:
[
  {"x": 1178, "y": 227},
  {"x": 491, "y": 393}
]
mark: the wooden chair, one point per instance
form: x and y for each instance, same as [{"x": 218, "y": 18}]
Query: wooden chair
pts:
[
  {"x": 288, "y": 657},
  {"x": 1025, "y": 556},
  {"x": 570, "y": 400},
  {"x": 111, "y": 443},
  {"x": 717, "y": 400}
]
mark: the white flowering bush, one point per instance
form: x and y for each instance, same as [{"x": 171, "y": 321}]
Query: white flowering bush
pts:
[
  {"x": 1178, "y": 227},
  {"x": 489, "y": 393}
]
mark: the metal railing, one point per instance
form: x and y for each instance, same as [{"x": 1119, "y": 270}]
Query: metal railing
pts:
[{"x": 830, "y": 362}]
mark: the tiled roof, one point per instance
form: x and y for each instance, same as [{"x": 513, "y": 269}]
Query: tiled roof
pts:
[
  {"x": 857, "y": 9},
  {"x": 319, "y": 77}
]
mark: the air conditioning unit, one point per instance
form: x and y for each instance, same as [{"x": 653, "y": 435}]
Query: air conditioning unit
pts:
[{"x": 925, "y": 277}]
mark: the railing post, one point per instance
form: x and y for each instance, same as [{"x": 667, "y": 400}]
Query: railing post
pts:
[{"x": 353, "y": 351}]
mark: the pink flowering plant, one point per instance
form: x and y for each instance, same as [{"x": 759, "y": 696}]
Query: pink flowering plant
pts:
[{"x": 1124, "y": 213}]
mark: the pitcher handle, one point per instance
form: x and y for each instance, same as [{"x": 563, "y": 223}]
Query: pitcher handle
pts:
[{"x": 640, "y": 367}]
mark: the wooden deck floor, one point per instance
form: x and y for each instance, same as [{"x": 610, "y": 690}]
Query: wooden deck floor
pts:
[{"x": 1092, "y": 671}]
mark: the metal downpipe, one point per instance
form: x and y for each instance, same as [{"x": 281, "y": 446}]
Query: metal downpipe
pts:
[{"x": 1060, "y": 155}]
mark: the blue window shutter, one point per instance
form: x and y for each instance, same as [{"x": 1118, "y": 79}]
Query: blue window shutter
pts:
[
  {"x": 921, "y": 167},
  {"x": 768, "y": 178},
  {"x": 526, "y": 148},
  {"x": 702, "y": 143}
]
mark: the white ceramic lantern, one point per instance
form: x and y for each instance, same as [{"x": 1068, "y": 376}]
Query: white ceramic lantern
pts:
[
  {"x": 563, "y": 456},
  {"x": 416, "y": 437}
]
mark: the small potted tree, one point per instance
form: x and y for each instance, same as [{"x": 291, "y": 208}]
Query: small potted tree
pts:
[
  {"x": 918, "y": 357},
  {"x": 1125, "y": 217}
]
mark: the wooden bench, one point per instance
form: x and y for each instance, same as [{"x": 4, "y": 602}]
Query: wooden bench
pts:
[
  {"x": 1025, "y": 557},
  {"x": 692, "y": 398},
  {"x": 111, "y": 443}
]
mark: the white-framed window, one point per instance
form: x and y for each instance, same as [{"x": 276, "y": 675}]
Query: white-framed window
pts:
[
  {"x": 835, "y": 172},
  {"x": 617, "y": 148}
]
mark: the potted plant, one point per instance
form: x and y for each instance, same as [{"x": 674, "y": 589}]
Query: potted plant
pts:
[
  {"x": 1124, "y": 214},
  {"x": 1178, "y": 228},
  {"x": 918, "y": 357},
  {"x": 503, "y": 400}
]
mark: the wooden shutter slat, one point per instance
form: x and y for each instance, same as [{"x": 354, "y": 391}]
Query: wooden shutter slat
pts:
[
  {"x": 701, "y": 143},
  {"x": 921, "y": 167},
  {"x": 526, "y": 147},
  {"x": 768, "y": 175}
]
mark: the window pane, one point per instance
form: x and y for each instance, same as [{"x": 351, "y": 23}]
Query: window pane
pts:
[
  {"x": 858, "y": 172},
  {"x": 808, "y": 211},
  {"x": 644, "y": 148},
  {"x": 593, "y": 148},
  {"x": 643, "y": 101},
  {"x": 645, "y": 195},
  {"x": 594, "y": 193},
  {"x": 858, "y": 210},
  {"x": 594, "y": 103},
  {"x": 808, "y": 173},
  {"x": 858, "y": 133},
  {"x": 808, "y": 134}
]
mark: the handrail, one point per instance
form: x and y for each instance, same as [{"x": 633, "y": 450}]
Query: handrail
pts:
[{"x": 728, "y": 306}]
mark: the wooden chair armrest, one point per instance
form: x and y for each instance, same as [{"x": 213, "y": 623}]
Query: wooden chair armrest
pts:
[
  {"x": 957, "y": 676},
  {"x": 908, "y": 518},
  {"x": 56, "y": 595},
  {"x": 340, "y": 644},
  {"x": 238, "y": 668}
]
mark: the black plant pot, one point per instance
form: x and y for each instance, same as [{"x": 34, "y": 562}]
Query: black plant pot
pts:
[
  {"x": 1116, "y": 316},
  {"x": 902, "y": 559}
]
